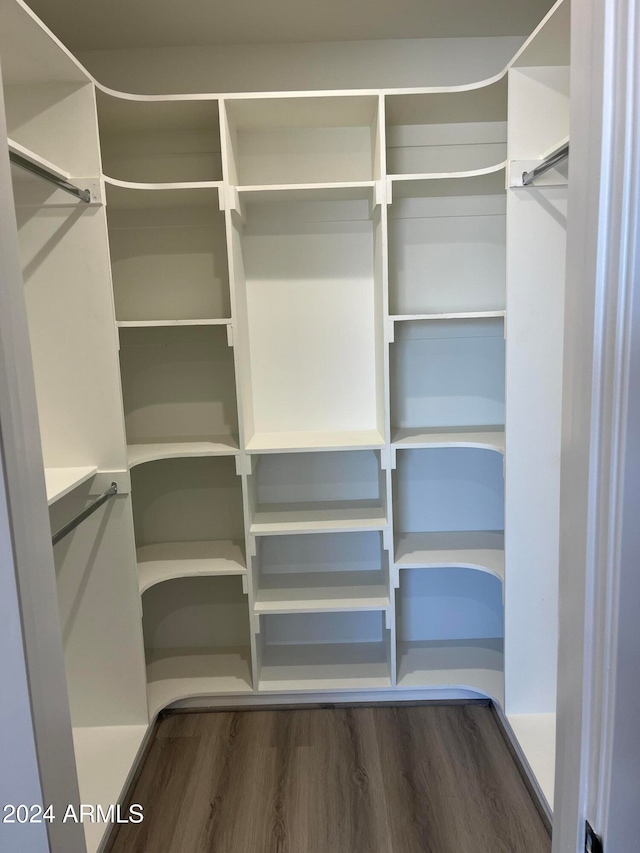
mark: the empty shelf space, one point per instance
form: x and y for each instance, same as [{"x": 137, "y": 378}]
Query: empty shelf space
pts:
[
  {"x": 487, "y": 438},
  {"x": 302, "y": 140},
  {"x": 325, "y": 666},
  {"x": 168, "y": 255},
  {"x": 447, "y": 374},
  {"x": 220, "y": 445},
  {"x": 474, "y": 549},
  {"x": 159, "y": 141},
  {"x": 447, "y": 249},
  {"x": 321, "y": 592},
  {"x": 197, "y": 500},
  {"x": 184, "y": 673},
  {"x": 329, "y": 517},
  {"x": 455, "y": 664},
  {"x": 295, "y": 655},
  {"x": 447, "y": 131},
  {"x": 167, "y": 560},
  {"x": 197, "y": 639},
  {"x": 307, "y": 492},
  {"x": 278, "y": 442},
  {"x": 178, "y": 387},
  {"x": 61, "y": 481},
  {"x": 105, "y": 756}
]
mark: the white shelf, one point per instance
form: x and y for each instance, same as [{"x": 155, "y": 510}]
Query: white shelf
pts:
[
  {"x": 183, "y": 673},
  {"x": 489, "y": 181},
  {"x": 132, "y": 195},
  {"x": 282, "y": 442},
  {"x": 474, "y": 549},
  {"x": 146, "y": 324},
  {"x": 536, "y": 734},
  {"x": 318, "y": 592},
  {"x": 61, "y": 481},
  {"x": 168, "y": 560},
  {"x": 221, "y": 445},
  {"x": 36, "y": 159},
  {"x": 105, "y": 756},
  {"x": 334, "y": 517},
  {"x": 324, "y": 666},
  {"x": 453, "y": 664},
  {"x": 459, "y": 315},
  {"x": 485, "y": 438},
  {"x": 341, "y": 191}
]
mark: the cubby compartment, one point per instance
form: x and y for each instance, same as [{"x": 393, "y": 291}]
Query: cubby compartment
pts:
[
  {"x": 197, "y": 640},
  {"x": 188, "y": 519},
  {"x": 159, "y": 141},
  {"x": 314, "y": 492},
  {"x": 450, "y": 131},
  {"x": 449, "y": 509},
  {"x": 178, "y": 389},
  {"x": 168, "y": 256},
  {"x": 447, "y": 382},
  {"x": 49, "y": 101},
  {"x": 307, "y": 140},
  {"x": 320, "y": 572},
  {"x": 449, "y": 630},
  {"x": 447, "y": 246},
  {"x": 324, "y": 651},
  {"x": 310, "y": 305}
]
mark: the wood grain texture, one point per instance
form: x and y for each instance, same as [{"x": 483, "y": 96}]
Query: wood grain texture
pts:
[{"x": 424, "y": 779}]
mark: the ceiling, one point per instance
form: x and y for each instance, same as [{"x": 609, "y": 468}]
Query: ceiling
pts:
[{"x": 104, "y": 24}]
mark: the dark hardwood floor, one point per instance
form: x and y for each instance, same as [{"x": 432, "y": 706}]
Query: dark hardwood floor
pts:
[{"x": 416, "y": 779}]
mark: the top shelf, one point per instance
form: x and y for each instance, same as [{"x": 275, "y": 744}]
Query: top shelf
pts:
[{"x": 62, "y": 481}]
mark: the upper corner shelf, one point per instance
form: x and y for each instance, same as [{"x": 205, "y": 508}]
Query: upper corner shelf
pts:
[
  {"x": 478, "y": 182},
  {"x": 62, "y": 481},
  {"x": 135, "y": 195},
  {"x": 303, "y": 140},
  {"x": 453, "y": 131},
  {"x": 341, "y": 191},
  {"x": 160, "y": 141},
  {"x": 482, "y": 437}
]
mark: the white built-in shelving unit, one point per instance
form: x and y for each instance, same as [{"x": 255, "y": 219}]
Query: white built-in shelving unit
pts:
[{"x": 282, "y": 325}]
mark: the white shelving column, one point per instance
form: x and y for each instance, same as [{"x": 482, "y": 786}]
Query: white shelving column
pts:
[{"x": 538, "y": 123}]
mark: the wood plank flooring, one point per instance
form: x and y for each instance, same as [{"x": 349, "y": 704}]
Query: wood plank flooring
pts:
[{"x": 416, "y": 779}]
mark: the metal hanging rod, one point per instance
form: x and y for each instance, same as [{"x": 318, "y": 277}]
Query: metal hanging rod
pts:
[
  {"x": 41, "y": 172},
  {"x": 549, "y": 162},
  {"x": 80, "y": 517}
]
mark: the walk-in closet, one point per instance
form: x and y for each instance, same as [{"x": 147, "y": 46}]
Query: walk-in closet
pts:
[{"x": 311, "y": 337}]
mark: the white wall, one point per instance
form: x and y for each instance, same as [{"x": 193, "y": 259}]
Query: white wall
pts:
[{"x": 331, "y": 65}]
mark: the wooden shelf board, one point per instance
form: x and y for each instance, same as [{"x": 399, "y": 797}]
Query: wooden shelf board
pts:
[
  {"x": 129, "y": 195},
  {"x": 474, "y": 549},
  {"x": 332, "y": 517},
  {"x": 343, "y": 191},
  {"x": 321, "y": 592},
  {"x": 145, "y": 324},
  {"x": 184, "y": 673},
  {"x": 461, "y": 664},
  {"x": 168, "y": 560},
  {"x": 324, "y": 666},
  {"x": 536, "y": 734},
  {"x": 282, "y": 442},
  {"x": 483, "y": 437},
  {"x": 220, "y": 445},
  {"x": 105, "y": 756},
  {"x": 489, "y": 181},
  {"x": 455, "y": 315},
  {"x": 61, "y": 481}
]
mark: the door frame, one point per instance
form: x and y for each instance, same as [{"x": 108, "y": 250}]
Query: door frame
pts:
[{"x": 598, "y": 749}]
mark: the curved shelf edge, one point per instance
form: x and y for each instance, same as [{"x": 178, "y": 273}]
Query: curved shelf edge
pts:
[{"x": 137, "y": 455}]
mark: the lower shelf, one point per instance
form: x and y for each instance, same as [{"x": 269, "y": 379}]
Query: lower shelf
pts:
[
  {"x": 218, "y": 445},
  {"x": 460, "y": 664},
  {"x": 105, "y": 756},
  {"x": 536, "y": 734},
  {"x": 324, "y": 666},
  {"x": 167, "y": 560},
  {"x": 183, "y": 673}
]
